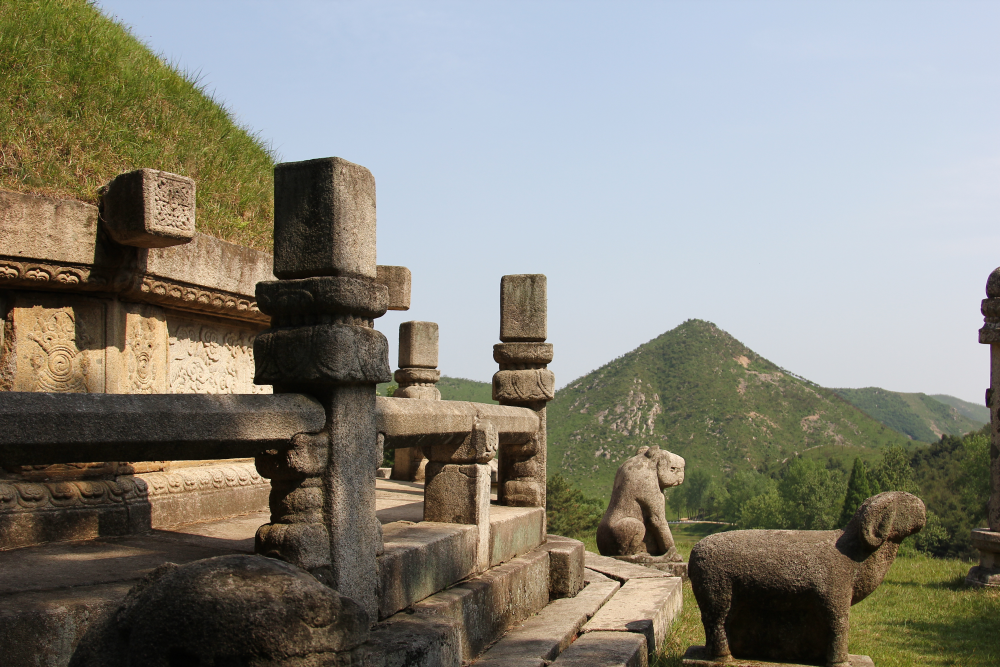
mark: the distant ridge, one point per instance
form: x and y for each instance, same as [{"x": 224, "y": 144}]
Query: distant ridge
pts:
[
  {"x": 700, "y": 393},
  {"x": 919, "y": 416},
  {"x": 974, "y": 411}
]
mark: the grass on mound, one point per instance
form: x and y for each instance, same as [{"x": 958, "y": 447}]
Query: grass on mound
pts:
[
  {"x": 82, "y": 100},
  {"x": 922, "y": 614}
]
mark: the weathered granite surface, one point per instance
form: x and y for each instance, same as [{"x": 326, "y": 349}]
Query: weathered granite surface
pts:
[
  {"x": 147, "y": 208},
  {"x": 785, "y": 595},
  {"x": 635, "y": 521}
]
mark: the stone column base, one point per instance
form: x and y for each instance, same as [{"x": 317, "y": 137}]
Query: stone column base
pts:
[
  {"x": 697, "y": 656},
  {"x": 987, "y": 573}
]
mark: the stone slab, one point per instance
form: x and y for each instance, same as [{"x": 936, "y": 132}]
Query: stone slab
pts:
[
  {"x": 44, "y": 428},
  {"x": 548, "y": 633},
  {"x": 605, "y": 649},
  {"x": 406, "y": 641},
  {"x": 593, "y": 576},
  {"x": 620, "y": 570},
  {"x": 51, "y": 594},
  {"x": 645, "y": 606},
  {"x": 422, "y": 559},
  {"x": 514, "y": 531},
  {"x": 696, "y": 656},
  {"x": 486, "y": 606},
  {"x": 45, "y": 228},
  {"x": 566, "y": 577},
  {"x": 409, "y": 423}
]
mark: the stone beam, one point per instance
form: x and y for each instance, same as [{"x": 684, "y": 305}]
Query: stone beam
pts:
[
  {"x": 408, "y": 423},
  {"x": 42, "y": 428}
]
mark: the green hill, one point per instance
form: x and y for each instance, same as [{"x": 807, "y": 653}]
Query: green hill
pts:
[
  {"x": 700, "y": 393},
  {"x": 82, "y": 100},
  {"x": 919, "y": 416},
  {"x": 974, "y": 411},
  {"x": 460, "y": 389}
]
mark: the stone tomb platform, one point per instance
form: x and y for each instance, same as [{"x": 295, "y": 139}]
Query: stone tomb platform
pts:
[
  {"x": 696, "y": 656},
  {"x": 50, "y": 594}
]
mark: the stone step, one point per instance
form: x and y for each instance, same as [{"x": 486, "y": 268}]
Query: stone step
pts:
[
  {"x": 644, "y": 605},
  {"x": 423, "y": 558},
  {"x": 697, "y": 656},
  {"x": 544, "y": 636},
  {"x": 606, "y": 649},
  {"x": 456, "y": 624}
]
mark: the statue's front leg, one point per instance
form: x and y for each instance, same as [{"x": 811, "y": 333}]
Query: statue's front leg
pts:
[{"x": 838, "y": 617}]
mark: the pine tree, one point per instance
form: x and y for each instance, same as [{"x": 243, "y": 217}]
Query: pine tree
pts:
[{"x": 859, "y": 488}]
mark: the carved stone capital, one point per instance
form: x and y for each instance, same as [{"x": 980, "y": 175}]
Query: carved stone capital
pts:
[
  {"x": 332, "y": 295},
  {"x": 321, "y": 354},
  {"x": 417, "y": 376},
  {"x": 523, "y": 386},
  {"x": 507, "y": 354},
  {"x": 990, "y": 308}
]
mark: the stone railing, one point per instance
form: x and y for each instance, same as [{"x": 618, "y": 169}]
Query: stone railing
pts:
[{"x": 317, "y": 437}]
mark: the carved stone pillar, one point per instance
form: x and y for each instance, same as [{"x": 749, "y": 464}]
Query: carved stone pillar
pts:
[
  {"x": 523, "y": 380},
  {"x": 322, "y": 342},
  {"x": 417, "y": 375},
  {"x": 987, "y": 573}
]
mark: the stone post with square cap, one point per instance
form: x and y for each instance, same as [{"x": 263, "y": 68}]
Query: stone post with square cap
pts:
[
  {"x": 322, "y": 342},
  {"x": 987, "y": 541},
  {"x": 417, "y": 375},
  {"x": 523, "y": 380}
]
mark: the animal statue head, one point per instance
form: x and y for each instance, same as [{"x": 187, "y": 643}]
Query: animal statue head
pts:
[
  {"x": 890, "y": 516},
  {"x": 669, "y": 466}
]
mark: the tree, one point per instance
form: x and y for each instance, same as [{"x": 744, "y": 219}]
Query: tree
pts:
[
  {"x": 763, "y": 511},
  {"x": 569, "y": 512},
  {"x": 893, "y": 472},
  {"x": 743, "y": 486},
  {"x": 859, "y": 489},
  {"x": 975, "y": 476},
  {"x": 811, "y": 495}
]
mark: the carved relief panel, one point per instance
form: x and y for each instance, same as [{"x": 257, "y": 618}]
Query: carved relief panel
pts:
[
  {"x": 211, "y": 358},
  {"x": 58, "y": 343},
  {"x": 137, "y": 354}
]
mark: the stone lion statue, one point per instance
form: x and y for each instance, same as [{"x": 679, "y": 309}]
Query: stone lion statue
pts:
[{"x": 635, "y": 521}]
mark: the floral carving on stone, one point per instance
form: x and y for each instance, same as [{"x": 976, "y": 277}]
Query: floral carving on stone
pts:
[{"x": 211, "y": 359}]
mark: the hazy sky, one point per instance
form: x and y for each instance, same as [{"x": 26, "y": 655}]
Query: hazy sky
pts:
[{"x": 821, "y": 180}]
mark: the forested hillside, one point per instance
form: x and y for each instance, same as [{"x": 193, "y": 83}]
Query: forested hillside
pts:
[
  {"x": 700, "y": 393},
  {"x": 922, "y": 417}
]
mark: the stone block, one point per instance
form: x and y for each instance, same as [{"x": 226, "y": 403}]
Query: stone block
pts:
[
  {"x": 528, "y": 385},
  {"x": 593, "y": 576},
  {"x": 406, "y": 641},
  {"x": 147, "y": 208},
  {"x": 697, "y": 656},
  {"x": 397, "y": 280},
  {"x": 461, "y": 494},
  {"x": 480, "y": 446},
  {"x": 321, "y": 354},
  {"x": 523, "y": 308},
  {"x": 522, "y": 353},
  {"x": 644, "y": 606},
  {"x": 324, "y": 219},
  {"x": 418, "y": 345},
  {"x": 486, "y": 606},
  {"x": 544, "y": 636},
  {"x": 422, "y": 559},
  {"x": 515, "y": 531},
  {"x": 48, "y": 229},
  {"x": 58, "y": 344},
  {"x": 565, "y": 566},
  {"x": 422, "y": 392},
  {"x": 607, "y": 649},
  {"x": 619, "y": 570}
]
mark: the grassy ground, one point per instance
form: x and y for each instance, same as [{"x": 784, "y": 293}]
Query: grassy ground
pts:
[
  {"x": 922, "y": 614},
  {"x": 81, "y": 100}
]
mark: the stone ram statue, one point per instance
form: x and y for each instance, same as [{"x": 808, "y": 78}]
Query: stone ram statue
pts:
[
  {"x": 635, "y": 522},
  {"x": 785, "y": 595}
]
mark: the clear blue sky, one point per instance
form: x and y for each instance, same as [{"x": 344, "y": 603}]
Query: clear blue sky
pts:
[{"x": 820, "y": 179}]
